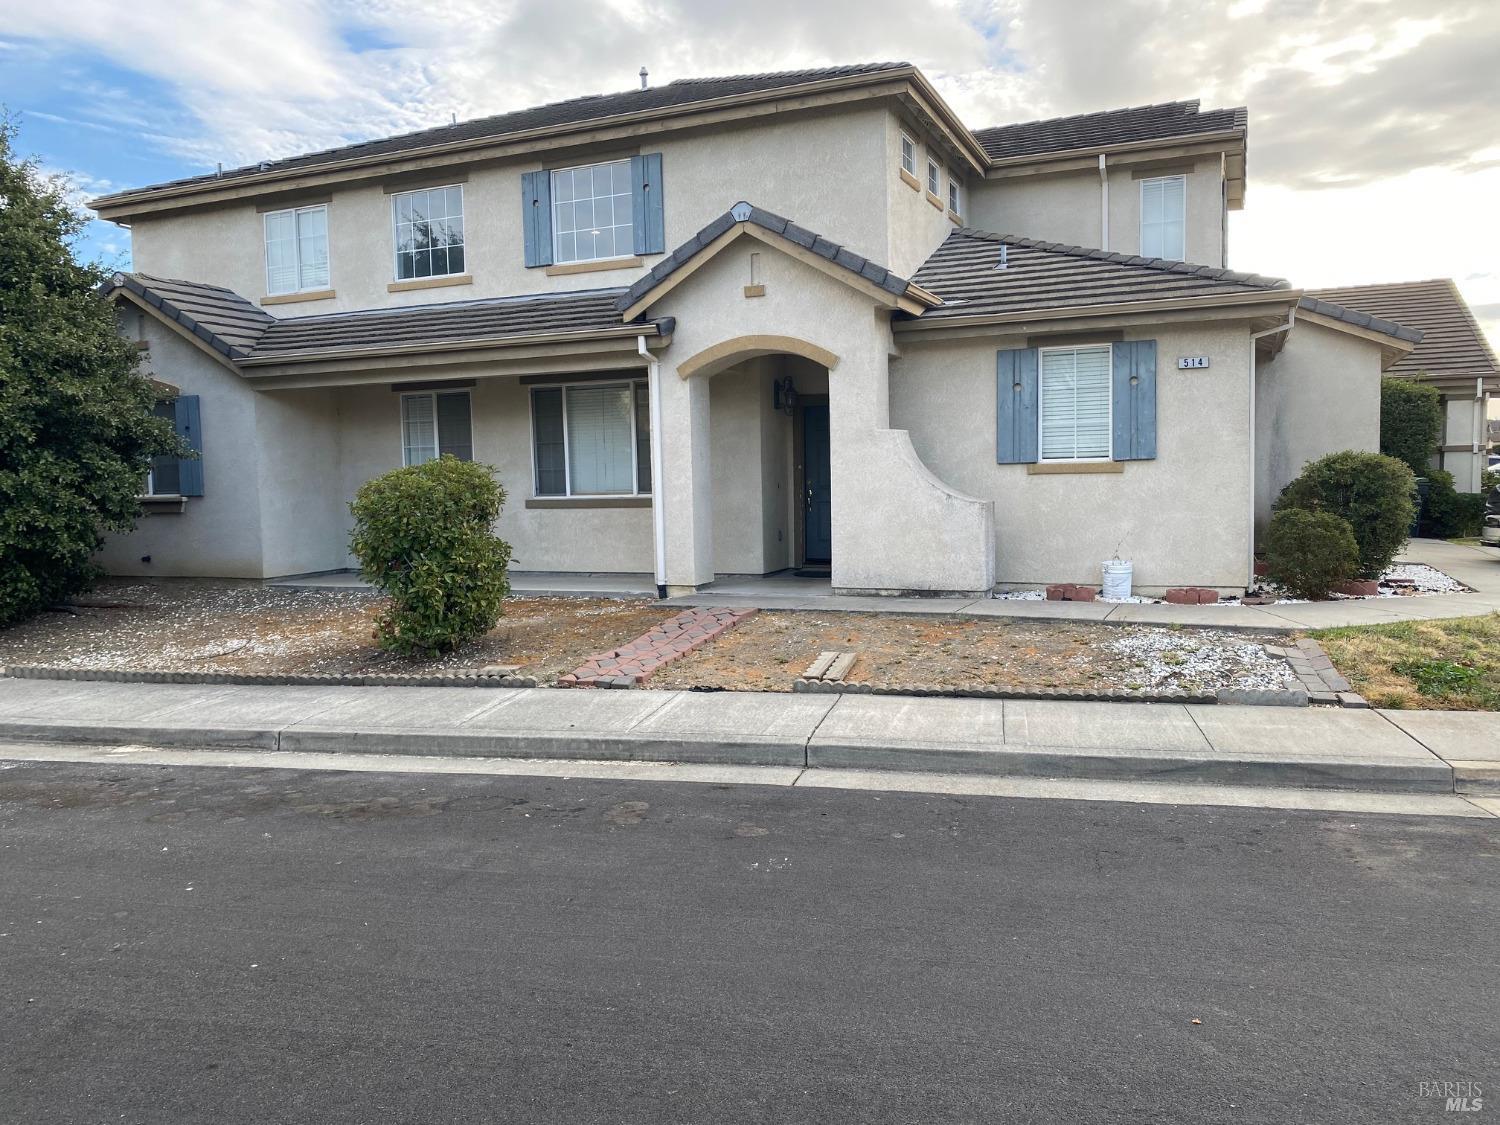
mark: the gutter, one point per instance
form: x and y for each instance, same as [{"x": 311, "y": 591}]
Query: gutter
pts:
[
  {"x": 1079, "y": 312},
  {"x": 1284, "y": 326},
  {"x": 658, "y": 484},
  {"x": 624, "y": 331}
]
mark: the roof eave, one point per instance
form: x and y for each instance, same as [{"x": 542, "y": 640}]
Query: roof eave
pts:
[
  {"x": 121, "y": 206},
  {"x": 1249, "y": 303}
]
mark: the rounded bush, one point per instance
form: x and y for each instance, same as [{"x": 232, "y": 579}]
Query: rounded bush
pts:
[
  {"x": 1309, "y": 553},
  {"x": 424, "y": 536},
  {"x": 1370, "y": 492},
  {"x": 1448, "y": 513}
]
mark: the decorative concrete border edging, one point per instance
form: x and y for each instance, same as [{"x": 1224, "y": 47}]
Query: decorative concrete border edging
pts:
[
  {"x": 278, "y": 679},
  {"x": 1313, "y": 668}
]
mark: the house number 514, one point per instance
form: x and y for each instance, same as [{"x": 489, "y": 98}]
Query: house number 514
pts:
[{"x": 1186, "y": 362}]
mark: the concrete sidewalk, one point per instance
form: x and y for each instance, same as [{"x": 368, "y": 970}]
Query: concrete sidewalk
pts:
[
  {"x": 1477, "y": 567},
  {"x": 1413, "y": 752}
]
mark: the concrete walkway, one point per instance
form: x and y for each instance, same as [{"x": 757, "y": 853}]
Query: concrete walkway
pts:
[
  {"x": 1405, "y": 752},
  {"x": 1477, "y": 567}
]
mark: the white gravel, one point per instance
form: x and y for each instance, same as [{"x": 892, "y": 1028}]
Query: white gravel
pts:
[{"x": 1177, "y": 659}]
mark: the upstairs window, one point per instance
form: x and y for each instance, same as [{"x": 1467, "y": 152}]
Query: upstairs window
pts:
[
  {"x": 1164, "y": 217},
  {"x": 934, "y": 178},
  {"x": 955, "y": 199},
  {"x": 593, "y": 217},
  {"x": 592, "y": 439},
  {"x": 908, "y": 156},
  {"x": 429, "y": 232},
  {"x": 297, "y": 249},
  {"x": 436, "y": 425},
  {"x": 1075, "y": 404}
]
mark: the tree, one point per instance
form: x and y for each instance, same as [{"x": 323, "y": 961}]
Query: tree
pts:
[
  {"x": 1411, "y": 422},
  {"x": 76, "y": 428}
]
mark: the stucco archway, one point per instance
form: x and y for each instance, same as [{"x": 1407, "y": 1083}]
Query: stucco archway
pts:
[{"x": 727, "y": 353}]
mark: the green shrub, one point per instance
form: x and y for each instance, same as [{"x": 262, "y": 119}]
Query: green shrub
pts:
[
  {"x": 1448, "y": 513},
  {"x": 1309, "y": 553},
  {"x": 423, "y": 535},
  {"x": 1411, "y": 422},
  {"x": 1489, "y": 481},
  {"x": 76, "y": 428},
  {"x": 1371, "y": 492}
]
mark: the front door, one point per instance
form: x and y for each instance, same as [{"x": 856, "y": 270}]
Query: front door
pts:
[{"x": 817, "y": 512}]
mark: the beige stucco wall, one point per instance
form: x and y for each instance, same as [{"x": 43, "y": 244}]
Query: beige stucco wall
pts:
[
  {"x": 1319, "y": 395},
  {"x": 895, "y": 526},
  {"x": 219, "y": 532},
  {"x": 827, "y": 171},
  {"x": 917, "y": 228},
  {"x": 750, "y": 442},
  {"x": 1066, "y": 208},
  {"x": 1182, "y": 518},
  {"x": 1463, "y": 418}
]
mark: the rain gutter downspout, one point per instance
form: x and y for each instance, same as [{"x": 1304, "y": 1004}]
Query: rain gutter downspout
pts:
[
  {"x": 1284, "y": 326},
  {"x": 1476, "y": 474},
  {"x": 658, "y": 484},
  {"x": 1103, "y": 203}
]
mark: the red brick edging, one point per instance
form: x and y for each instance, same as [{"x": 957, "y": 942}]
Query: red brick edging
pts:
[{"x": 631, "y": 665}]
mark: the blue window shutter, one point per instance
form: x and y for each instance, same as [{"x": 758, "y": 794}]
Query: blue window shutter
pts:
[
  {"x": 1134, "y": 369},
  {"x": 1016, "y": 406},
  {"x": 536, "y": 216},
  {"x": 189, "y": 469},
  {"x": 646, "y": 202}
]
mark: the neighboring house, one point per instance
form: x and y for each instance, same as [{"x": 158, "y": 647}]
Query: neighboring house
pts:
[
  {"x": 737, "y": 325},
  {"x": 1453, "y": 357}
]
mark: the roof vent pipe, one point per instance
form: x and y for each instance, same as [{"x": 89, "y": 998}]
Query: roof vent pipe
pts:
[{"x": 644, "y": 72}]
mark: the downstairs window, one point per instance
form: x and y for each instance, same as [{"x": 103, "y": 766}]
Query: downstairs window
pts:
[{"x": 592, "y": 439}]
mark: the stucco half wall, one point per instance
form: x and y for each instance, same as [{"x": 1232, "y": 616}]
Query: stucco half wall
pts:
[
  {"x": 1320, "y": 394},
  {"x": 896, "y": 526},
  {"x": 1181, "y": 518}
]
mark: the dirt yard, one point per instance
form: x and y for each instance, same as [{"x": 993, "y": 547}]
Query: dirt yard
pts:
[
  {"x": 244, "y": 627},
  {"x": 771, "y": 649},
  {"x": 215, "y": 626}
]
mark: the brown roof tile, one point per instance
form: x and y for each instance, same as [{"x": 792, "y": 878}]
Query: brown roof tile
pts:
[
  {"x": 1452, "y": 344},
  {"x": 1111, "y": 127}
]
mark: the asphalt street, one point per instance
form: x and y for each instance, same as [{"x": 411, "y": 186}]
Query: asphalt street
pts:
[{"x": 237, "y": 945}]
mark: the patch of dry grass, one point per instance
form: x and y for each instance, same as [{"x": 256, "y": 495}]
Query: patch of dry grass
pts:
[{"x": 1447, "y": 665}]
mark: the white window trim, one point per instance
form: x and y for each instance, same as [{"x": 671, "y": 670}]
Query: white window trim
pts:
[
  {"x": 1041, "y": 398},
  {"x": 437, "y": 436},
  {"x": 635, "y": 442},
  {"x": 551, "y": 181},
  {"x": 934, "y": 176},
  {"x": 1141, "y": 205},
  {"x": 463, "y": 207},
  {"x": 907, "y": 140},
  {"x": 955, "y": 195},
  {"x": 297, "y": 249}
]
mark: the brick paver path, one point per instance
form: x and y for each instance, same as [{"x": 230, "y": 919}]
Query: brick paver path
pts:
[{"x": 633, "y": 664}]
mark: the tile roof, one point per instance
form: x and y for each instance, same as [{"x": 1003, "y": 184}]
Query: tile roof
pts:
[
  {"x": 1359, "y": 319},
  {"x": 574, "y": 111},
  {"x": 743, "y": 212},
  {"x": 1451, "y": 342},
  {"x": 966, "y": 271},
  {"x": 246, "y": 334},
  {"x": 221, "y": 318},
  {"x": 1112, "y": 127}
]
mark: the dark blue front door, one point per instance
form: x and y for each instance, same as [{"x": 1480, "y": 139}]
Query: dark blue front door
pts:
[{"x": 817, "y": 526}]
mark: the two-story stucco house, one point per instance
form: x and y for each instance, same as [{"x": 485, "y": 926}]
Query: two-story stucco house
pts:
[{"x": 738, "y": 325}]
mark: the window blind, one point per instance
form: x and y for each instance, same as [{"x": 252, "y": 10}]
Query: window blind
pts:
[{"x": 1075, "y": 404}]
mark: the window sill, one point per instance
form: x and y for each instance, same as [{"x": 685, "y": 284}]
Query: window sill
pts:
[
  {"x": 295, "y": 298},
  {"x": 588, "y": 502},
  {"x": 1073, "y": 468},
  {"x": 936, "y": 201},
  {"x": 163, "y": 504},
  {"x": 428, "y": 283},
  {"x": 910, "y": 181},
  {"x": 565, "y": 268},
  {"x": 954, "y": 217}
]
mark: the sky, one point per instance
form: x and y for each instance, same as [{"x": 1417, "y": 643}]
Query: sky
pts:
[{"x": 1374, "y": 146}]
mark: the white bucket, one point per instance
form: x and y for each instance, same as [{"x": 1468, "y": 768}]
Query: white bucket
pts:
[{"x": 1116, "y": 580}]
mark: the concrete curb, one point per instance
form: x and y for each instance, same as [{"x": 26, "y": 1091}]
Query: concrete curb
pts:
[{"x": 993, "y": 760}]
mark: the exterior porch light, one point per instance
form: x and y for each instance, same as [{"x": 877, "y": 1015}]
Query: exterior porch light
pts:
[{"x": 784, "y": 395}]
